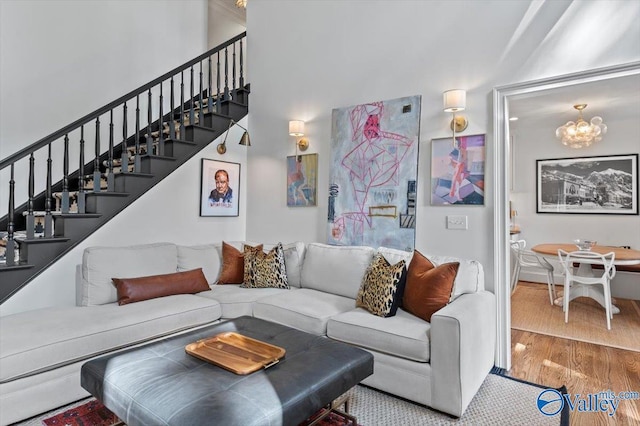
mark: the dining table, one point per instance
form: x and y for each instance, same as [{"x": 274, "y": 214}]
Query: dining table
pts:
[{"x": 623, "y": 256}]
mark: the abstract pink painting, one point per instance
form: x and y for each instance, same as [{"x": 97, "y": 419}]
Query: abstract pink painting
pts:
[{"x": 373, "y": 174}]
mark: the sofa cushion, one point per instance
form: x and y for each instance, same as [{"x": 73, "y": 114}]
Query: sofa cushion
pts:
[
  {"x": 232, "y": 271},
  {"x": 131, "y": 290},
  {"x": 266, "y": 269},
  {"x": 100, "y": 264},
  {"x": 470, "y": 277},
  {"x": 382, "y": 287},
  {"x": 48, "y": 338},
  {"x": 403, "y": 335},
  {"x": 293, "y": 258},
  {"x": 205, "y": 256},
  {"x": 428, "y": 288},
  {"x": 305, "y": 309},
  {"x": 335, "y": 269},
  {"x": 236, "y": 301}
]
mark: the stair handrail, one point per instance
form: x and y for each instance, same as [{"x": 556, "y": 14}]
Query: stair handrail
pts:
[{"x": 89, "y": 117}]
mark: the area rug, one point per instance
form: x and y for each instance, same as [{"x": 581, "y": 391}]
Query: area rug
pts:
[
  {"x": 499, "y": 401},
  {"x": 531, "y": 311}
]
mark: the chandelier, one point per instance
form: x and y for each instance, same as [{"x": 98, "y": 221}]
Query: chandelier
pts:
[
  {"x": 581, "y": 134},
  {"x": 241, "y": 3}
]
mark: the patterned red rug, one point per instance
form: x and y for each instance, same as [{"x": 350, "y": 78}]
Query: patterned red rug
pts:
[{"x": 93, "y": 413}]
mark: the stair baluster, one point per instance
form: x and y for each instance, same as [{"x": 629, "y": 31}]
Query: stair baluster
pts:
[
  {"x": 150, "y": 120},
  {"x": 110, "y": 177},
  {"x": 124, "y": 155},
  {"x": 172, "y": 123},
  {"x": 64, "y": 202},
  {"x": 209, "y": 93},
  {"x": 136, "y": 162},
  {"x": 96, "y": 162},
  {"x": 200, "y": 104},
  {"x": 218, "y": 106},
  {"x": 226, "y": 74},
  {"x": 48, "y": 219},
  {"x": 10, "y": 251},
  {"x": 192, "y": 118},
  {"x": 181, "y": 105},
  {"x": 161, "y": 125},
  {"x": 233, "y": 79},
  {"x": 241, "y": 81},
  {"x": 31, "y": 222},
  {"x": 81, "y": 191}
]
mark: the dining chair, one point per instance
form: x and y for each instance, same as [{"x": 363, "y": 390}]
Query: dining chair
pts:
[
  {"x": 571, "y": 276},
  {"x": 528, "y": 259}
]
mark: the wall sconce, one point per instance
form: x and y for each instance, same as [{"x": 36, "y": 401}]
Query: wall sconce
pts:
[
  {"x": 244, "y": 140},
  {"x": 454, "y": 101},
  {"x": 296, "y": 128}
]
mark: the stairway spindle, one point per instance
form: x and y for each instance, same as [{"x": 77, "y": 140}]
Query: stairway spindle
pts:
[
  {"x": 161, "y": 125},
  {"x": 226, "y": 74},
  {"x": 81, "y": 191},
  {"x": 192, "y": 118},
  {"x": 209, "y": 93},
  {"x": 241, "y": 80},
  {"x": 64, "y": 202},
  {"x": 181, "y": 136},
  {"x": 96, "y": 162},
  {"x": 48, "y": 219},
  {"x": 124, "y": 154},
  {"x": 150, "y": 121},
  {"x": 233, "y": 67},
  {"x": 172, "y": 123},
  {"x": 136, "y": 161},
  {"x": 31, "y": 220},
  {"x": 110, "y": 177},
  {"x": 218, "y": 93},
  {"x": 200, "y": 104},
  {"x": 10, "y": 252}
]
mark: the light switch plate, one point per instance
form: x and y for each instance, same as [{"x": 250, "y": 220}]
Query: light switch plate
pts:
[{"x": 457, "y": 222}]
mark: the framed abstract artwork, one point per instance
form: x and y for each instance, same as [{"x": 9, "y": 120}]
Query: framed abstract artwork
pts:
[
  {"x": 457, "y": 170},
  {"x": 597, "y": 185},
  {"x": 302, "y": 180},
  {"x": 373, "y": 172},
  {"x": 219, "y": 188}
]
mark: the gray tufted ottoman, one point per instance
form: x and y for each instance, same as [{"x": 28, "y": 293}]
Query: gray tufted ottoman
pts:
[{"x": 160, "y": 384}]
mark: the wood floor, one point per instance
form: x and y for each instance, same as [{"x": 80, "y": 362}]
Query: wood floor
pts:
[{"x": 584, "y": 368}]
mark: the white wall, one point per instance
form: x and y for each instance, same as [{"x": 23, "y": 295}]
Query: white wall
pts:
[
  {"x": 307, "y": 58},
  {"x": 63, "y": 59}
]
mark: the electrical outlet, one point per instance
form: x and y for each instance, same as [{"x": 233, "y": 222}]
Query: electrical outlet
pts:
[{"x": 457, "y": 222}]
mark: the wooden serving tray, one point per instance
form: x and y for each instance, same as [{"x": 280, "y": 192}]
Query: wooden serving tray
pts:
[{"x": 235, "y": 352}]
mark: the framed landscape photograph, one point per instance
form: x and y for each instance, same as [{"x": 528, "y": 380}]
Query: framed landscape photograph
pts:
[
  {"x": 302, "y": 180},
  {"x": 597, "y": 185},
  {"x": 219, "y": 188}
]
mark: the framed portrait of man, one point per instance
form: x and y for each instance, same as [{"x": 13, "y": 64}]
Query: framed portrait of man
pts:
[{"x": 219, "y": 188}]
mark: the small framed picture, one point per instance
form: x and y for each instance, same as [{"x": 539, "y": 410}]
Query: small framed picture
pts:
[
  {"x": 302, "y": 180},
  {"x": 219, "y": 188}
]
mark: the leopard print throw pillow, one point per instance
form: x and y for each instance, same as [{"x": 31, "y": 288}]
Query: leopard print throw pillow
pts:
[
  {"x": 268, "y": 270},
  {"x": 382, "y": 287}
]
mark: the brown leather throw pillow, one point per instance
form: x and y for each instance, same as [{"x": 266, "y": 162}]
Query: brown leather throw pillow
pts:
[
  {"x": 132, "y": 290},
  {"x": 428, "y": 288},
  {"x": 232, "y": 271}
]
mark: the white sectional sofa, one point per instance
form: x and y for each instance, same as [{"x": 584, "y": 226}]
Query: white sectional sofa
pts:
[{"x": 440, "y": 364}]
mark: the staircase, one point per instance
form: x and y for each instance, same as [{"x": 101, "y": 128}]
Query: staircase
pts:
[{"x": 151, "y": 144}]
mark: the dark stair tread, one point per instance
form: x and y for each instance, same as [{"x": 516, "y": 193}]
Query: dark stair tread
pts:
[
  {"x": 19, "y": 265},
  {"x": 106, "y": 194},
  {"x": 77, "y": 215},
  {"x": 43, "y": 240},
  {"x": 158, "y": 157}
]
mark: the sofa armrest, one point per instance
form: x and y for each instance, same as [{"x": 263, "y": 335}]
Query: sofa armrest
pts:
[{"x": 463, "y": 339}]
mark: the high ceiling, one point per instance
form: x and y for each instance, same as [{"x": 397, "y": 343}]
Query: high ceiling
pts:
[{"x": 618, "y": 97}]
